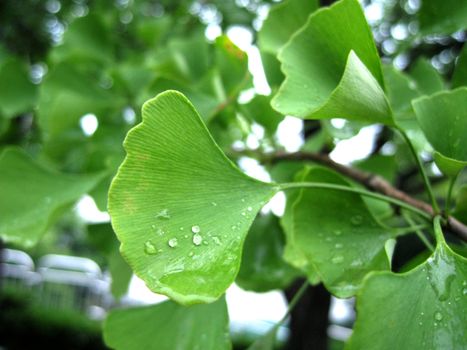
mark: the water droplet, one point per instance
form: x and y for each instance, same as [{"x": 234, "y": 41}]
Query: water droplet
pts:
[
  {"x": 339, "y": 245},
  {"x": 163, "y": 214},
  {"x": 205, "y": 242},
  {"x": 186, "y": 236},
  {"x": 441, "y": 273},
  {"x": 420, "y": 323},
  {"x": 160, "y": 232},
  {"x": 464, "y": 291},
  {"x": 191, "y": 254},
  {"x": 197, "y": 239},
  {"x": 243, "y": 213},
  {"x": 337, "y": 259},
  {"x": 214, "y": 204},
  {"x": 243, "y": 200},
  {"x": 337, "y": 232},
  {"x": 422, "y": 313},
  {"x": 153, "y": 227},
  {"x": 195, "y": 229},
  {"x": 328, "y": 239},
  {"x": 181, "y": 228},
  {"x": 216, "y": 240},
  {"x": 438, "y": 316},
  {"x": 356, "y": 220},
  {"x": 150, "y": 248},
  {"x": 173, "y": 242},
  {"x": 233, "y": 227},
  {"x": 249, "y": 208}
]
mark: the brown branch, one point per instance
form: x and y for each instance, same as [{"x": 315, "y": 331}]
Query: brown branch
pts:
[{"x": 371, "y": 181}]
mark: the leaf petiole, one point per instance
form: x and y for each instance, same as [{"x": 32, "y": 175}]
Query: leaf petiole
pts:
[{"x": 434, "y": 204}]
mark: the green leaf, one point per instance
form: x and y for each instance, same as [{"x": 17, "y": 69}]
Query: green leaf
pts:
[
  {"x": 459, "y": 77},
  {"x": 87, "y": 39},
  {"x": 421, "y": 309},
  {"x": 169, "y": 326},
  {"x": 174, "y": 182},
  {"x": 443, "y": 119},
  {"x": 103, "y": 238},
  {"x": 332, "y": 69},
  {"x": 262, "y": 267},
  {"x": 328, "y": 224},
  {"x": 461, "y": 204},
  {"x": 17, "y": 92},
  {"x": 283, "y": 20},
  {"x": 259, "y": 110},
  {"x": 32, "y": 194},
  {"x": 442, "y": 16},
  {"x": 427, "y": 78}
]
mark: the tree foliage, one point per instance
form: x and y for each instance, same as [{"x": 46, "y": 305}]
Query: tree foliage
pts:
[{"x": 187, "y": 218}]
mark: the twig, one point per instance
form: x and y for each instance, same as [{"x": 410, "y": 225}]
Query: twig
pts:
[{"x": 369, "y": 180}]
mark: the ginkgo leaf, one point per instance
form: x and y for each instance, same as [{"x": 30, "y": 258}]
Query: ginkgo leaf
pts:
[
  {"x": 263, "y": 267},
  {"x": 326, "y": 226},
  {"x": 32, "y": 194},
  {"x": 169, "y": 326},
  {"x": 332, "y": 69},
  {"x": 179, "y": 207},
  {"x": 422, "y": 309},
  {"x": 443, "y": 119}
]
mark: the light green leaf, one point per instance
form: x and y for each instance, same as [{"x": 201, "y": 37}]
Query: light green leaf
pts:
[
  {"x": 337, "y": 234},
  {"x": 169, "y": 326},
  {"x": 427, "y": 78},
  {"x": 32, "y": 194},
  {"x": 283, "y": 20},
  {"x": 442, "y": 16},
  {"x": 17, "y": 92},
  {"x": 421, "y": 309},
  {"x": 332, "y": 69},
  {"x": 262, "y": 267},
  {"x": 179, "y": 207},
  {"x": 443, "y": 119}
]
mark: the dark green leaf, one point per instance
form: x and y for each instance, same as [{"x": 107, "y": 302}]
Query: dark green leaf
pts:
[
  {"x": 262, "y": 267},
  {"x": 443, "y": 16},
  {"x": 427, "y": 78}
]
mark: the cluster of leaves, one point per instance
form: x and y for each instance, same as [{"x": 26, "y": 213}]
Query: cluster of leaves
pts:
[{"x": 187, "y": 218}]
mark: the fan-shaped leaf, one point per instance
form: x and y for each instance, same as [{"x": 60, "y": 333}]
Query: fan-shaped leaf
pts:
[
  {"x": 179, "y": 207},
  {"x": 169, "y": 326},
  {"x": 332, "y": 69},
  {"x": 443, "y": 119},
  {"x": 421, "y": 309}
]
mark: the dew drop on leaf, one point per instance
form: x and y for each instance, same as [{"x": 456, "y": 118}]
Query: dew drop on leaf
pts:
[
  {"x": 438, "y": 316},
  {"x": 356, "y": 220},
  {"x": 173, "y": 242},
  {"x": 337, "y": 232},
  {"x": 337, "y": 259},
  {"x": 197, "y": 239},
  {"x": 249, "y": 208},
  {"x": 163, "y": 214},
  {"x": 150, "y": 248},
  {"x": 195, "y": 229},
  {"x": 339, "y": 246}
]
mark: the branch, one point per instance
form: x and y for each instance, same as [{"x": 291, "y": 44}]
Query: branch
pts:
[{"x": 371, "y": 181}]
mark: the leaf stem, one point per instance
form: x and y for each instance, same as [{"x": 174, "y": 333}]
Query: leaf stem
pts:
[
  {"x": 296, "y": 298},
  {"x": 434, "y": 204},
  {"x": 438, "y": 231},
  {"x": 323, "y": 185},
  {"x": 418, "y": 232},
  {"x": 447, "y": 208}
]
